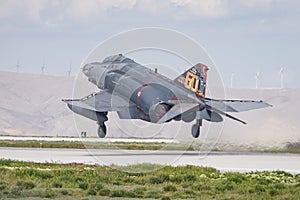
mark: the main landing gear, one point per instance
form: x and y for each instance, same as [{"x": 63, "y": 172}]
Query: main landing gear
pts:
[
  {"x": 101, "y": 118},
  {"x": 196, "y": 128},
  {"x": 101, "y": 130}
]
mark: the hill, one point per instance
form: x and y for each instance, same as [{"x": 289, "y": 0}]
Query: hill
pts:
[{"x": 31, "y": 105}]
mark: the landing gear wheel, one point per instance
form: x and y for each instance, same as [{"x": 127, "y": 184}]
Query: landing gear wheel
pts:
[
  {"x": 102, "y": 131},
  {"x": 195, "y": 130}
]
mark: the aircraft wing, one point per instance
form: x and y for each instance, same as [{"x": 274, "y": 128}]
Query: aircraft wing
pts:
[
  {"x": 101, "y": 102},
  {"x": 235, "y": 105}
]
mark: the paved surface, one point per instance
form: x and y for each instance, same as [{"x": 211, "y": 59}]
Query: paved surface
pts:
[
  {"x": 224, "y": 161},
  {"x": 76, "y": 139}
]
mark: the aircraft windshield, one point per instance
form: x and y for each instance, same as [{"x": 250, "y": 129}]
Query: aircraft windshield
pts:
[{"x": 117, "y": 58}]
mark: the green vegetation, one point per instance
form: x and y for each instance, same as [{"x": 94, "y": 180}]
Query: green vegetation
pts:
[
  {"x": 287, "y": 150},
  {"x": 77, "y": 181},
  {"x": 134, "y": 146},
  {"x": 95, "y": 145}
]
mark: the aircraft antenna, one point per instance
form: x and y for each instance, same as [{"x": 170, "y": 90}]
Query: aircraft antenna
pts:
[
  {"x": 256, "y": 79},
  {"x": 281, "y": 76}
]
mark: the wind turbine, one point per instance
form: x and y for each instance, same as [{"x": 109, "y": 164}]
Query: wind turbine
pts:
[
  {"x": 18, "y": 66},
  {"x": 70, "y": 69},
  {"x": 256, "y": 79},
  {"x": 43, "y": 68},
  {"x": 281, "y": 76},
  {"x": 231, "y": 80}
]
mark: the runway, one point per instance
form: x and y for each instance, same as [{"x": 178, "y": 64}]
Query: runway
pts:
[
  {"x": 95, "y": 140},
  {"x": 224, "y": 161}
]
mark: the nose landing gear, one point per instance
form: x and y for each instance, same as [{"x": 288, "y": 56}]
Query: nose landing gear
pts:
[{"x": 196, "y": 128}]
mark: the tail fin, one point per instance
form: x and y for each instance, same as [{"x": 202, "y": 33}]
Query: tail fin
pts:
[{"x": 194, "y": 79}]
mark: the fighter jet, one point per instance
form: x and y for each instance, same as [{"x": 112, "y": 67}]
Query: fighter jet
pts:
[{"x": 137, "y": 92}]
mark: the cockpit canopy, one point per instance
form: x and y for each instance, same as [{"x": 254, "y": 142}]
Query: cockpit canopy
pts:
[{"x": 117, "y": 58}]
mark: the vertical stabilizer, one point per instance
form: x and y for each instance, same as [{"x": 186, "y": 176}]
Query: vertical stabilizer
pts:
[{"x": 194, "y": 79}]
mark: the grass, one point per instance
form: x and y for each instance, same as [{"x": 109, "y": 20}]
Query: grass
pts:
[
  {"x": 21, "y": 180},
  {"x": 94, "y": 145},
  {"x": 129, "y": 146}
]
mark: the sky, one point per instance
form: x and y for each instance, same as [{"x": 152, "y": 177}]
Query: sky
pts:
[{"x": 242, "y": 37}]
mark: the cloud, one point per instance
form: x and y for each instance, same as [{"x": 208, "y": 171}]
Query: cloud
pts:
[
  {"x": 258, "y": 3},
  {"x": 204, "y": 8},
  {"x": 28, "y": 8},
  {"x": 87, "y": 10},
  {"x": 9, "y": 8},
  {"x": 52, "y": 13},
  {"x": 153, "y": 7},
  {"x": 34, "y": 8}
]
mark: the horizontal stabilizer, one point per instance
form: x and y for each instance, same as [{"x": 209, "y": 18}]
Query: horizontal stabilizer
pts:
[
  {"x": 209, "y": 115},
  {"x": 235, "y": 105},
  {"x": 225, "y": 114},
  {"x": 176, "y": 110}
]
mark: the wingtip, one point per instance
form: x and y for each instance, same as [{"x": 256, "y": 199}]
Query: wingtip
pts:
[
  {"x": 66, "y": 100},
  {"x": 269, "y": 105}
]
